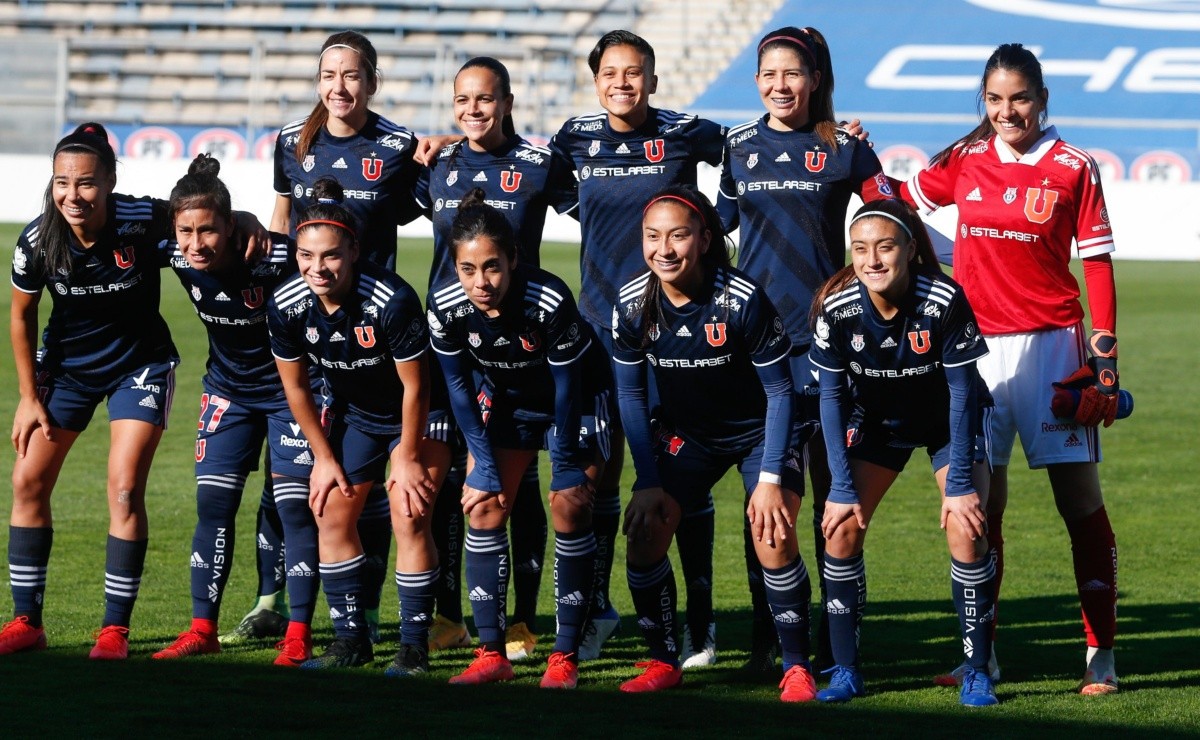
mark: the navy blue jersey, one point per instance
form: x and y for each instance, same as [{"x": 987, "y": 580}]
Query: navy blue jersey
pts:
[
  {"x": 705, "y": 356},
  {"x": 105, "y": 321},
  {"x": 375, "y": 169},
  {"x": 521, "y": 180},
  {"x": 897, "y": 366},
  {"x": 357, "y": 347},
  {"x": 232, "y": 304},
  {"x": 788, "y": 192},
  {"x": 618, "y": 173}
]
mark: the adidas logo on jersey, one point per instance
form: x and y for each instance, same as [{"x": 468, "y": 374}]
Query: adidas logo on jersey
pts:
[
  {"x": 683, "y": 332},
  {"x": 301, "y": 569},
  {"x": 835, "y": 606},
  {"x": 221, "y": 297},
  {"x": 975, "y": 195},
  {"x": 340, "y": 164},
  {"x": 501, "y": 342},
  {"x": 304, "y": 458},
  {"x": 887, "y": 343},
  {"x": 262, "y": 542},
  {"x": 788, "y": 617},
  {"x": 337, "y": 337},
  {"x": 783, "y": 158},
  {"x": 574, "y": 599},
  {"x": 1073, "y": 441},
  {"x": 481, "y": 177},
  {"x": 149, "y": 403},
  {"x": 478, "y": 594},
  {"x": 622, "y": 149},
  {"x": 197, "y": 561},
  {"x": 214, "y": 592}
]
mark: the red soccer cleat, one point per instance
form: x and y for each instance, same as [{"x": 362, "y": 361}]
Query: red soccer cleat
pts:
[
  {"x": 489, "y": 666},
  {"x": 17, "y": 636},
  {"x": 798, "y": 685},
  {"x": 293, "y": 650},
  {"x": 112, "y": 643},
  {"x": 561, "y": 672},
  {"x": 188, "y": 643},
  {"x": 656, "y": 677}
]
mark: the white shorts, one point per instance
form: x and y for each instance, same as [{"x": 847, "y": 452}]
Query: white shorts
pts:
[{"x": 1018, "y": 370}]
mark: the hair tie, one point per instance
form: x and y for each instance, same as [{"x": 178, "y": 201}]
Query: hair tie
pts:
[
  {"x": 684, "y": 201},
  {"x": 326, "y": 222},
  {"x": 327, "y": 201},
  {"x": 883, "y": 214},
  {"x": 812, "y": 60},
  {"x": 362, "y": 57}
]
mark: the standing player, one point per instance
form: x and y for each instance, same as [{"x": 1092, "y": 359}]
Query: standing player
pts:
[
  {"x": 95, "y": 252},
  {"x": 241, "y": 405},
  {"x": 362, "y": 326},
  {"x": 786, "y": 182},
  {"x": 719, "y": 352},
  {"x": 520, "y": 180},
  {"x": 896, "y": 344},
  {"x": 1023, "y": 195},
  {"x": 623, "y": 156},
  {"x": 524, "y": 373}
]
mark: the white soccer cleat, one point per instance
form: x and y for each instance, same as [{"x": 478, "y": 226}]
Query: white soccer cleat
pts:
[
  {"x": 1100, "y": 677},
  {"x": 706, "y": 655},
  {"x": 597, "y": 631}
]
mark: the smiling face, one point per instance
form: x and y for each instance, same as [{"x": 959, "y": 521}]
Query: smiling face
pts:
[
  {"x": 80, "y": 186},
  {"x": 880, "y": 252},
  {"x": 203, "y": 238},
  {"x": 344, "y": 87},
  {"x": 624, "y": 83},
  {"x": 785, "y": 85},
  {"x": 673, "y": 241},
  {"x": 484, "y": 271},
  {"x": 1014, "y": 108},
  {"x": 480, "y": 106},
  {"x": 326, "y": 255}
]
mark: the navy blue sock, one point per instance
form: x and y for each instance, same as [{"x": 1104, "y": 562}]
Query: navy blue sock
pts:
[
  {"x": 342, "y": 582},
  {"x": 606, "y": 519},
  {"x": 845, "y": 601},
  {"x": 416, "y": 606},
  {"x": 28, "y": 557},
  {"x": 217, "y": 499},
  {"x": 269, "y": 555},
  {"x": 301, "y": 558},
  {"x": 447, "y": 530},
  {"x": 529, "y": 536},
  {"x": 124, "y": 561},
  {"x": 788, "y": 592},
  {"x": 654, "y": 598},
  {"x": 487, "y": 583},
  {"x": 574, "y": 566},
  {"x": 375, "y": 533},
  {"x": 974, "y": 588},
  {"x": 694, "y": 538}
]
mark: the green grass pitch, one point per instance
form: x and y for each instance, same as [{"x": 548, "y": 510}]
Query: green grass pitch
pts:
[{"x": 909, "y": 634}]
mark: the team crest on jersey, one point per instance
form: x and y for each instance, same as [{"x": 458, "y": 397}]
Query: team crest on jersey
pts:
[
  {"x": 310, "y": 161},
  {"x": 857, "y": 343},
  {"x": 311, "y": 335},
  {"x": 253, "y": 297},
  {"x": 473, "y": 339},
  {"x": 1010, "y": 196},
  {"x": 752, "y": 161},
  {"x": 654, "y": 333},
  {"x": 201, "y": 445},
  {"x": 822, "y": 332},
  {"x": 452, "y": 177},
  {"x": 814, "y": 161},
  {"x": 530, "y": 342},
  {"x": 124, "y": 257},
  {"x": 919, "y": 340},
  {"x": 196, "y": 292},
  {"x": 365, "y": 335},
  {"x": 715, "y": 333},
  {"x": 655, "y": 150},
  {"x": 1039, "y": 214},
  {"x": 372, "y": 168},
  {"x": 594, "y": 148},
  {"x": 510, "y": 180}
]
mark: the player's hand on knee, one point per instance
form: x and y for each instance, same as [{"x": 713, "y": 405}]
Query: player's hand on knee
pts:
[
  {"x": 967, "y": 511},
  {"x": 837, "y": 514},
  {"x": 577, "y": 497},
  {"x": 409, "y": 481},
  {"x": 473, "y": 497},
  {"x": 768, "y": 513},
  {"x": 647, "y": 509},
  {"x": 30, "y": 416}
]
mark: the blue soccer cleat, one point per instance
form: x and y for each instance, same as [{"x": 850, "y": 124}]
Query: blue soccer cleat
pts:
[
  {"x": 845, "y": 685},
  {"x": 977, "y": 690}
]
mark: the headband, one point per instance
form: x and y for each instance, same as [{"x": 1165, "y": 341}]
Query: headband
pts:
[
  {"x": 883, "y": 214},
  {"x": 326, "y": 222},
  {"x": 684, "y": 201},
  {"x": 359, "y": 52},
  {"x": 812, "y": 60}
]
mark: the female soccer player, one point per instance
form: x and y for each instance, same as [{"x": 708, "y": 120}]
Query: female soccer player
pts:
[
  {"x": 363, "y": 327},
  {"x": 524, "y": 372},
  {"x": 896, "y": 344},
  {"x": 241, "y": 405},
  {"x": 786, "y": 182},
  {"x": 95, "y": 252},
  {"x": 1023, "y": 195},
  {"x": 719, "y": 352},
  {"x": 520, "y": 180}
]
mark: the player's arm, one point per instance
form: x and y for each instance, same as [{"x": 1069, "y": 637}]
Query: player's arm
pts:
[
  {"x": 484, "y": 476},
  {"x": 282, "y": 215},
  {"x": 842, "y": 503},
  {"x": 31, "y": 413},
  {"x": 767, "y": 510},
  {"x": 961, "y": 500},
  {"x": 408, "y": 476},
  {"x": 327, "y": 474}
]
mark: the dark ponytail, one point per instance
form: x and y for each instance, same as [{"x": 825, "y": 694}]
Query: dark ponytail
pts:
[
  {"x": 476, "y": 219},
  {"x": 328, "y": 210},
  {"x": 202, "y": 188},
  {"x": 54, "y": 233}
]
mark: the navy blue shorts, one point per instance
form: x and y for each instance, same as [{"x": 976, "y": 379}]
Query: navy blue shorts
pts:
[
  {"x": 877, "y": 445},
  {"x": 511, "y": 428},
  {"x": 364, "y": 455},
  {"x": 230, "y": 435},
  {"x": 144, "y": 395}
]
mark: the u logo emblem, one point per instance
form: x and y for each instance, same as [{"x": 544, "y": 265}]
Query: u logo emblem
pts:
[
  {"x": 814, "y": 161},
  {"x": 919, "y": 341},
  {"x": 366, "y": 335},
  {"x": 715, "y": 333},
  {"x": 1039, "y": 215},
  {"x": 654, "y": 150}
]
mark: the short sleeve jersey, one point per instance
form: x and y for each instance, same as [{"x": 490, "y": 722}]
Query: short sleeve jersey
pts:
[
  {"x": 788, "y": 192},
  {"x": 1017, "y": 217},
  {"x": 618, "y": 173},
  {"x": 897, "y": 366},
  {"x": 357, "y": 346},
  {"x": 520, "y": 180},
  {"x": 104, "y": 322},
  {"x": 375, "y": 169},
  {"x": 538, "y": 326},
  {"x": 232, "y": 305},
  {"x": 704, "y": 356}
]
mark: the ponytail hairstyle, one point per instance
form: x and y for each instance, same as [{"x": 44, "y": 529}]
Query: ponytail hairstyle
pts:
[
  {"x": 717, "y": 256},
  {"x": 54, "y": 233},
  {"x": 1010, "y": 58},
  {"x": 368, "y": 60},
  {"x": 912, "y": 232},
  {"x": 201, "y": 188},
  {"x": 810, "y": 45},
  {"x": 476, "y": 219},
  {"x": 329, "y": 211}
]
